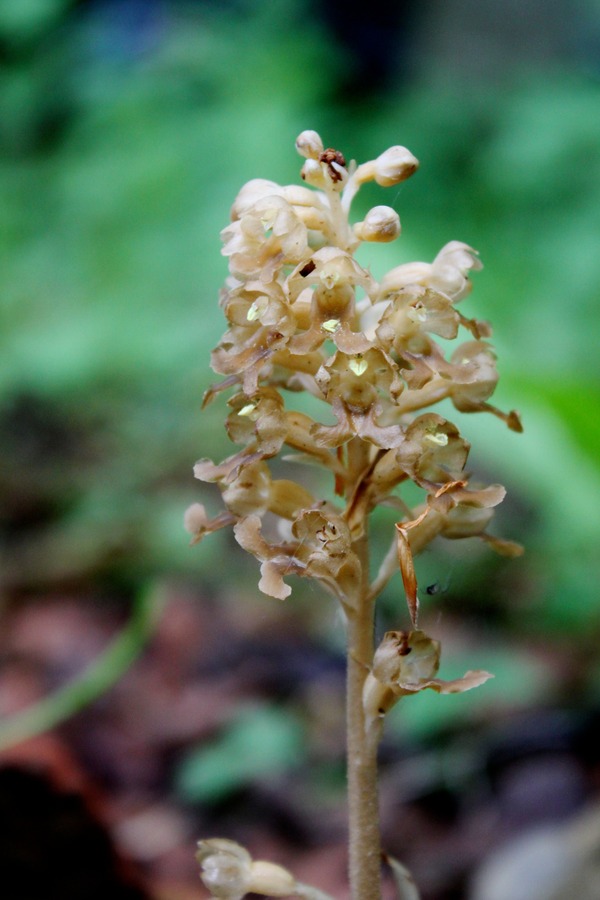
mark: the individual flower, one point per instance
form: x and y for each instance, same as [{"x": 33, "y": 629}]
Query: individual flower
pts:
[
  {"x": 391, "y": 167},
  {"x": 321, "y": 549},
  {"x": 411, "y": 316},
  {"x": 260, "y": 324},
  {"x": 448, "y": 273},
  {"x": 258, "y": 421},
  {"x": 267, "y": 236},
  {"x": 394, "y": 165},
  {"x": 407, "y": 662},
  {"x": 226, "y": 868},
  {"x": 302, "y": 438},
  {"x": 229, "y": 872},
  {"x": 254, "y": 190},
  {"x": 433, "y": 451},
  {"x": 323, "y": 293},
  {"x": 198, "y": 524},
  {"x": 254, "y": 491},
  {"x": 360, "y": 388},
  {"x": 468, "y": 379},
  {"x": 309, "y": 144},
  {"x": 474, "y": 378}
]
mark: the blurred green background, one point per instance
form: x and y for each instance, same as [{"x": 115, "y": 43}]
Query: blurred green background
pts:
[{"x": 128, "y": 127}]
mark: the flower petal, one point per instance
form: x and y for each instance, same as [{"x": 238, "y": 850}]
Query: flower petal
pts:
[{"x": 469, "y": 680}]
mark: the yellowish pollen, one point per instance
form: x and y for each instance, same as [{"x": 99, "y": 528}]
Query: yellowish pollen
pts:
[
  {"x": 247, "y": 410},
  {"x": 438, "y": 438},
  {"x": 331, "y": 325},
  {"x": 358, "y": 365},
  {"x": 257, "y": 309}
]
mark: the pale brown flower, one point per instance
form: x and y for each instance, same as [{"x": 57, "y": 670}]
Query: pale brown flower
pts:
[
  {"x": 260, "y": 324},
  {"x": 433, "y": 451},
  {"x": 323, "y": 293},
  {"x": 252, "y": 490},
  {"x": 407, "y": 662},
  {"x": 267, "y": 236},
  {"x": 321, "y": 550},
  {"x": 381, "y": 225},
  {"x": 412, "y": 314},
  {"x": 360, "y": 388}
]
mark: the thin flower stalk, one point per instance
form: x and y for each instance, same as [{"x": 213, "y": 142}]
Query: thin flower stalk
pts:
[{"x": 303, "y": 316}]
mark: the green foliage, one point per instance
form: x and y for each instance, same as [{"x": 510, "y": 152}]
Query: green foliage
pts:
[{"x": 261, "y": 741}]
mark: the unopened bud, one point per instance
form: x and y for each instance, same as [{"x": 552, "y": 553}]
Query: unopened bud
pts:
[
  {"x": 395, "y": 165},
  {"x": 309, "y": 145},
  {"x": 381, "y": 224},
  {"x": 391, "y": 167}
]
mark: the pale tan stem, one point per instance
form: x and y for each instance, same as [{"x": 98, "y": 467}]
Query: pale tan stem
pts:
[{"x": 363, "y": 807}]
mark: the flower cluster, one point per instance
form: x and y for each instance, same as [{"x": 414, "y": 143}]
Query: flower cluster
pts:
[
  {"x": 406, "y": 662},
  {"x": 303, "y": 315}
]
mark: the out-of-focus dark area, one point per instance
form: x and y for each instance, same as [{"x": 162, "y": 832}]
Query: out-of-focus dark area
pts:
[{"x": 127, "y": 128}]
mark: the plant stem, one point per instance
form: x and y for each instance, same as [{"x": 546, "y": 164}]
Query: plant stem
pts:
[{"x": 363, "y": 807}]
